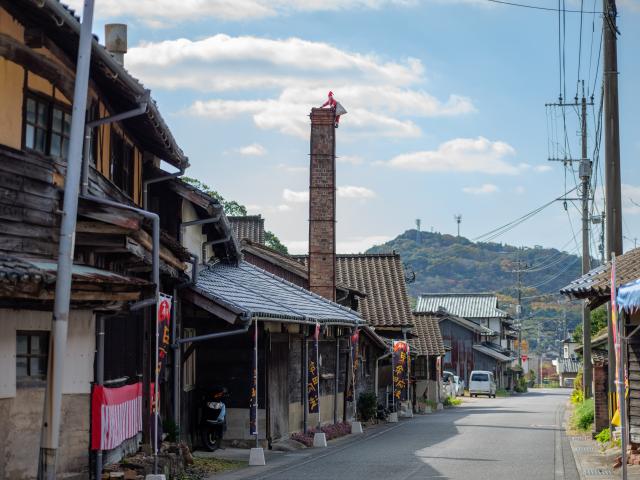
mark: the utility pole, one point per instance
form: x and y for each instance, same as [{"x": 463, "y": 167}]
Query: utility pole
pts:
[
  {"x": 613, "y": 207},
  {"x": 418, "y": 222},
  {"x": 51, "y": 418},
  {"x": 585, "y": 177},
  {"x": 584, "y": 198}
]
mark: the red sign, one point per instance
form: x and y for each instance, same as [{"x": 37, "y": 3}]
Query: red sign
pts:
[
  {"x": 524, "y": 358},
  {"x": 116, "y": 415},
  {"x": 400, "y": 360},
  {"x": 164, "y": 323}
]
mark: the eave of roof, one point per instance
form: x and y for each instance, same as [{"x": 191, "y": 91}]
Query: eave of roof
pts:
[
  {"x": 492, "y": 353},
  {"x": 157, "y": 139},
  {"x": 467, "y": 305},
  {"x": 259, "y": 294}
]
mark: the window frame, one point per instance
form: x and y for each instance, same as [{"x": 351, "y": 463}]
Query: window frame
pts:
[
  {"x": 51, "y": 104},
  {"x": 29, "y": 379},
  {"x": 124, "y": 152}
]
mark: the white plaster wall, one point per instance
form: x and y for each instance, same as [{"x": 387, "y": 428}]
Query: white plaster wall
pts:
[
  {"x": 192, "y": 236},
  {"x": 80, "y": 347},
  {"x": 238, "y": 424}
]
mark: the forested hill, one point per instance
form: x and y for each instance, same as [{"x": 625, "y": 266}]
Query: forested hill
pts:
[{"x": 448, "y": 264}]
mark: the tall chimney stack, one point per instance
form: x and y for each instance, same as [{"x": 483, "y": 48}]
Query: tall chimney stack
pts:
[
  {"x": 322, "y": 204},
  {"x": 115, "y": 40}
]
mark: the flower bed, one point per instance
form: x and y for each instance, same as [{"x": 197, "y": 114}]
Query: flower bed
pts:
[{"x": 331, "y": 431}]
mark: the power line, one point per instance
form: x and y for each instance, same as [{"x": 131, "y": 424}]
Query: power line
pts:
[
  {"x": 536, "y": 7},
  {"x": 496, "y": 232}
]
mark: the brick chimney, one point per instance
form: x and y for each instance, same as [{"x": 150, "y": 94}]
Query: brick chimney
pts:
[{"x": 322, "y": 204}]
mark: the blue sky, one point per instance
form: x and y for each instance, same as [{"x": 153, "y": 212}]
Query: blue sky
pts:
[{"x": 445, "y": 99}]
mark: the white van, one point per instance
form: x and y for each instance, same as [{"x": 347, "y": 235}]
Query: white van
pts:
[{"x": 482, "y": 382}]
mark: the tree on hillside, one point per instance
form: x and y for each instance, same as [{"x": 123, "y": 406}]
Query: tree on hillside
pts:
[
  {"x": 233, "y": 208},
  {"x": 598, "y": 324}
]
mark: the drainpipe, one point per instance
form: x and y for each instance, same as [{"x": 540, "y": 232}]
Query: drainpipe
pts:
[
  {"x": 305, "y": 374},
  {"x": 335, "y": 388},
  {"x": 377, "y": 366},
  {"x": 52, "y": 411},
  {"x": 155, "y": 267},
  {"x": 99, "y": 380}
]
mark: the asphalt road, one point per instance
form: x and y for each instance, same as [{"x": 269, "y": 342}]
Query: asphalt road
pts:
[{"x": 518, "y": 437}]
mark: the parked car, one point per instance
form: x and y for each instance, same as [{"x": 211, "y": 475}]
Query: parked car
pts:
[{"x": 482, "y": 383}]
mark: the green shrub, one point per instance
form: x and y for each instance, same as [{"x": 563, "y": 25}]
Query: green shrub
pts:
[
  {"x": 604, "y": 436},
  {"x": 583, "y": 415},
  {"x": 452, "y": 402},
  {"x": 501, "y": 392},
  {"x": 367, "y": 406},
  {"x": 431, "y": 404},
  {"x": 577, "y": 397},
  {"x": 521, "y": 385}
]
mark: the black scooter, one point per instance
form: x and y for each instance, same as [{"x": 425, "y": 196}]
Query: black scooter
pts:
[{"x": 213, "y": 420}]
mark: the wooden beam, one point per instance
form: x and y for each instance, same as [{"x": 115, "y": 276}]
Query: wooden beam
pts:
[
  {"x": 16, "y": 52},
  {"x": 101, "y": 228},
  {"x": 165, "y": 254},
  {"x": 209, "y": 305}
]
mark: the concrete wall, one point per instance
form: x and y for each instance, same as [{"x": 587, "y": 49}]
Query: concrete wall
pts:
[
  {"x": 21, "y": 408},
  {"x": 238, "y": 424}
]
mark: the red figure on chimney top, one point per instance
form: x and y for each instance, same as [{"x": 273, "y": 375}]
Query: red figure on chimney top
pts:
[{"x": 336, "y": 106}]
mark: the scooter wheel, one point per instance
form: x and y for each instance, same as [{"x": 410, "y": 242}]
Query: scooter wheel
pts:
[{"x": 211, "y": 438}]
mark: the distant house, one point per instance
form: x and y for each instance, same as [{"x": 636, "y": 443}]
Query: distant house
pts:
[
  {"x": 479, "y": 334},
  {"x": 428, "y": 348}
]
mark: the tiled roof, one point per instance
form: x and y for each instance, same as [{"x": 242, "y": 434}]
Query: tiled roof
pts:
[
  {"x": 259, "y": 294},
  {"x": 568, "y": 365},
  {"x": 596, "y": 284},
  {"x": 492, "y": 353},
  {"x": 250, "y": 227},
  {"x": 428, "y": 339},
  {"x": 381, "y": 277},
  {"x": 467, "y": 305},
  {"x": 442, "y": 314},
  {"x": 273, "y": 256}
]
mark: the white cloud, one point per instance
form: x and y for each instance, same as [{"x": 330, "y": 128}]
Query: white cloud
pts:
[
  {"x": 253, "y": 150},
  {"x": 295, "y": 197},
  {"x": 229, "y": 10},
  {"x": 382, "y": 97},
  {"x": 351, "y": 159},
  {"x": 466, "y": 155},
  {"x": 343, "y": 245},
  {"x": 520, "y": 190},
  {"x": 630, "y": 198},
  {"x": 292, "y": 168},
  {"x": 351, "y": 191},
  {"x": 344, "y": 191},
  {"x": 483, "y": 189},
  {"x": 542, "y": 168}
]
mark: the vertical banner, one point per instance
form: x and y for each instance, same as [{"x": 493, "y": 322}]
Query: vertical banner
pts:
[
  {"x": 616, "y": 420},
  {"x": 253, "y": 400},
  {"x": 164, "y": 328},
  {"x": 313, "y": 375},
  {"x": 400, "y": 364},
  {"x": 355, "y": 352}
]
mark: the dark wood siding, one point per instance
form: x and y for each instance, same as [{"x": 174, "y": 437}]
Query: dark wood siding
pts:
[{"x": 460, "y": 360}]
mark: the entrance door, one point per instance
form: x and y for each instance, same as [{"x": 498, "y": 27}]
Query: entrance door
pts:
[{"x": 278, "y": 388}]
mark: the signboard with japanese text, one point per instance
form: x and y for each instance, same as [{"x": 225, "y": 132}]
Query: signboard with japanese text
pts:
[
  {"x": 313, "y": 375},
  {"x": 400, "y": 365},
  {"x": 164, "y": 328}
]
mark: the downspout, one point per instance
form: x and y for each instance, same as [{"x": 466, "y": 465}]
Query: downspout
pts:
[
  {"x": 335, "y": 387},
  {"x": 377, "y": 366}
]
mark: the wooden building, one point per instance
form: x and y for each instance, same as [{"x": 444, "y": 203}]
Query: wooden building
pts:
[
  {"x": 595, "y": 288},
  {"x": 428, "y": 347},
  {"x": 480, "y": 334}
]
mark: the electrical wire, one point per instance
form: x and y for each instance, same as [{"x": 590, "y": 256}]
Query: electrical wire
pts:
[
  {"x": 536, "y": 7},
  {"x": 564, "y": 270},
  {"x": 496, "y": 232}
]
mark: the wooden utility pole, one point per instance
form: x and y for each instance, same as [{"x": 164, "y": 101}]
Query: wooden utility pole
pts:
[
  {"x": 613, "y": 207},
  {"x": 585, "y": 177}
]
